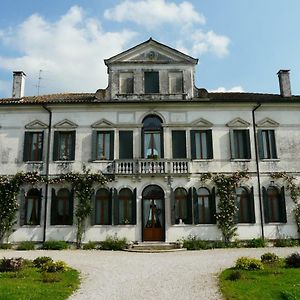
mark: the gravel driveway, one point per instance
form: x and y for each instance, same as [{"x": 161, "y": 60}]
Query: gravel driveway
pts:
[{"x": 122, "y": 275}]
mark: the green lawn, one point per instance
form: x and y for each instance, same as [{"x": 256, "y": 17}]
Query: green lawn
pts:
[
  {"x": 271, "y": 283},
  {"x": 28, "y": 285}
]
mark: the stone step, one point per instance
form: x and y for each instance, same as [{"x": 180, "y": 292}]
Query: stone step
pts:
[{"x": 151, "y": 247}]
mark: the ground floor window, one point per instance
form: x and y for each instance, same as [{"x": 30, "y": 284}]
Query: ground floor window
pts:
[
  {"x": 125, "y": 207},
  {"x": 33, "y": 207},
  {"x": 245, "y": 205},
  {"x": 103, "y": 207},
  {"x": 181, "y": 206},
  {"x": 62, "y": 207},
  {"x": 204, "y": 207}
]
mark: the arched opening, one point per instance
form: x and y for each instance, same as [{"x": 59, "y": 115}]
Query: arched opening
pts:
[{"x": 33, "y": 207}]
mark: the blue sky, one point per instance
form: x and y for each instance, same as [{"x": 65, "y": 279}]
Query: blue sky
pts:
[{"x": 240, "y": 44}]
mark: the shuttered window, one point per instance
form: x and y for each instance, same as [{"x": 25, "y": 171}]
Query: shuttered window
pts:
[
  {"x": 125, "y": 144},
  {"x": 126, "y": 83},
  {"x": 33, "y": 146},
  {"x": 201, "y": 144},
  {"x": 240, "y": 144},
  {"x": 245, "y": 205},
  {"x": 151, "y": 80},
  {"x": 175, "y": 83},
  {"x": 267, "y": 145},
  {"x": 33, "y": 207},
  {"x": 64, "y": 145},
  {"x": 62, "y": 207},
  {"x": 102, "y": 145},
  {"x": 181, "y": 206},
  {"x": 125, "y": 207},
  {"x": 204, "y": 207},
  {"x": 179, "y": 143},
  {"x": 103, "y": 207}
]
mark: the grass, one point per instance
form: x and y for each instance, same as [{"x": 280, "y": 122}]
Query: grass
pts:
[
  {"x": 274, "y": 282},
  {"x": 32, "y": 284}
]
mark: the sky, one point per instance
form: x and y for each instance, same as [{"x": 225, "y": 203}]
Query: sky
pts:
[{"x": 241, "y": 44}]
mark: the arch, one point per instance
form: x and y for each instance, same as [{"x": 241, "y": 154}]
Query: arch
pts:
[
  {"x": 62, "y": 204},
  {"x": 125, "y": 207},
  {"x": 33, "y": 207},
  {"x": 103, "y": 207},
  {"x": 181, "y": 206},
  {"x": 245, "y": 207},
  {"x": 204, "y": 206},
  {"x": 154, "y": 113},
  {"x": 153, "y": 191}
]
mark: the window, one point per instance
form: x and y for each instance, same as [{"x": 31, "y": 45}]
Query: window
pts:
[
  {"x": 179, "y": 143},
  {"x": 126, "y": 83},
  {"x": 151, "y": 82},
  {"x": 245, "y": 205},
  {"x": 125, "y": 207},
  {"x": 33, "y": 207},
  {"x": 125, "y": 144},
  {"x": 201, "y": 144},
  {"x": 103, "y": 207},
  {"x": 181, "y": 206},
  {"x": 267, "y": 145},
  {"x": 102, "y": 145},
  {"x": 152, "y": 137},
  {"x": 64, "y": 145},
  {"x": 62, "y": 207},
  {"x": 33, "y": 146},
  {"x": 175, "y": 83},
  {"x": 240, "y": 144},
  {"x": 204, "y": 207},
  {"x": 274, "y": 205}
]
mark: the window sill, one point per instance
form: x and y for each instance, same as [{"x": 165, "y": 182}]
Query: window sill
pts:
[
  {"x": 240, "y": 159},
  {"x": 246, "y": 224},
  {"x": 30, "y": 226},
  {"x": 276, "y": 223},
  {"x": 101, "y": 160},
  {"x": 269, "y": 159},
  {"x": 63, "y": 161},
  {"x": 61, "y": 226},
  {"x": 202, "y": 160},
  {"x": 32, "y": 162},
  {"x": 189, "y": 225}
]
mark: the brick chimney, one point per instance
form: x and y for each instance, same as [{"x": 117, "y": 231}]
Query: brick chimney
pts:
[
  {"x": 284, "y": 83},
  {"x": 18, "y": 84}
]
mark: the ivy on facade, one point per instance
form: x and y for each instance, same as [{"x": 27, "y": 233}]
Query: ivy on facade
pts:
[{"x": 227, "y": 208}]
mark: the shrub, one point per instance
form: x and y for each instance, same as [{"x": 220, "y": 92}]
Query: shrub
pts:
[
  {"x": 235, "y": 275},
  {"x": 41, "y": 260},
  {"x": 192, "y": 243},
  {"x": 220, "y": 244},
  {"x": 293, "y": 260},
  {"x": 269, "y": 258},
  {"x": 250, "y": 264},
  {"x": 285, "y": 295},
  {"x": 113, "y": 243},
  {"x": 90, "y": 246},
  {"x": 11, "y": 264},
  {"x": 256, "y": 243},
  {"x": 55, "y": 245},
  {"x": 50, "y": 277},
  {"x": 286, "y": 243},
  {"x": 52, "y": 267},
  {"x": 5, "y": 246},
  {"x": 26, "y": 245}
]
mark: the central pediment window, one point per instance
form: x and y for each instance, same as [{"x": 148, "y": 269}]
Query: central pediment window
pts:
[
  {"x": 151, "y": 82},
  {"x": 175, "y": 83},
  {"x": 126, "y": 83}
]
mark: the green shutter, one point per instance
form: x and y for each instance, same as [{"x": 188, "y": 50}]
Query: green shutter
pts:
[
  {"x": 42, "y": 148},
  {"x": 193, "y": 145},
  {"x": 116, "y": 206},
  {"x": 209, "y": 141},
  {"x": 273, "y": 144},
  {"x": 247, "y": 144},
  {"x": 27, "y": 144},
  {"x": 40, "y": 207},
  {"x": 260, "y": 144},
  {"x": 73, "y": 145},
  {"x": 151, "y": 82},
  {"x": 53, "y": 216},
  {"x": 126, "y": 144},
  {"x": 56, "y": 145},
  {"x": 110, "y": 204},
  {"x": 93, "y": 209},
  {"x": 71, "y": 207},
  {"x": 251, "y": 206},
  {"x": 111, "y": 152},
  {"x": 94, "y": 145},
  {"x": 266, "y": 205},
  {"x": 134, "y": 199},
  {"x": 232, "y": 143},
  {"x": 22, "y": 208},
  {"x": 212, "y": 205},
  {"x": 196, "y": 208},
  {"x": 190, "y": 207},
  {"x": 172, "y": 202},
  {"x": 179, "y": 144},
  {"x": 282, "y": 206}
]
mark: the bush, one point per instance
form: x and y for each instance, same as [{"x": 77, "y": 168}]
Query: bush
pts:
[
  {"x": 269, "y": 258},
  {"x": 113, "y": 243},
  {"x": 11, "y": 264},
  {"x": 90, "y": 246},
  {"x": 26, "y": 245},
  {"x": 286, "y": 243},
  {"x": 285, "y": 295},
  {"x": 256, "y": 243},
  {"x": 41, "y": 260},
  {"x": 52, "y": 267},
  {"x": 5, "y": 246},
  {"x": 192, "y": 243},
  {"x": 250, "y": 264},
  {"x": 235, "y": 275},
  {"x": 293, "y": 260},
  {"x": 55, "y": 245},
  {"x": 50, "y": 277}
]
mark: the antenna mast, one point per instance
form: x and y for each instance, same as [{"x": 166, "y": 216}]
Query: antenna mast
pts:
[{"x": 39, "y": 82}]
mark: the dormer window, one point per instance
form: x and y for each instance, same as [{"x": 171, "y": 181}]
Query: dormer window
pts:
[
  {"x": 151, "y": 82},
  {"x": 126, "y": 83},
  {"x": 175, "y": 83}
]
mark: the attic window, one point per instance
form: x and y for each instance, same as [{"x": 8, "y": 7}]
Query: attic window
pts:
[
  {"x": 175, "y": 83},
  {"x": 126, "y": 83},
  {"x": 151, "y": 82}
]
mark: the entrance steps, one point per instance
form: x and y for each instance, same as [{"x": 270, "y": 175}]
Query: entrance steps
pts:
[{"x": 155, "y": 247}]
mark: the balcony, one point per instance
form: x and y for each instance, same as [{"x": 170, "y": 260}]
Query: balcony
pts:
[{"x": 149, "y": 166}]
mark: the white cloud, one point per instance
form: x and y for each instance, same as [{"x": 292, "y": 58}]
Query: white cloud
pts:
[
  {"x": 235, "y": 89},
  {"x": 70, "y": 51},
  {"x": 152, "y": 13},
  {"x": 5, "y": 88}
]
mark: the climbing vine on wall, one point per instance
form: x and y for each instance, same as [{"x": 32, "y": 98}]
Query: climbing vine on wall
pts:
[
  {"x": 227, "y": 209},
  {"x": 9, "y": 190},
  {"x": 294, "y": 190}
]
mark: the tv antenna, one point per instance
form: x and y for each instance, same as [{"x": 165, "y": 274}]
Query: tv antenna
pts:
[{"x": 39, "y": 82}]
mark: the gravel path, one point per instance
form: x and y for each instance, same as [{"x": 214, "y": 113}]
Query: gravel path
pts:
[{"x": 122, "y": 275}]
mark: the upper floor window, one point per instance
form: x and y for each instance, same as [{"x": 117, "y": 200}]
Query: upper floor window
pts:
[
  {"x": 175, "y": 83},
  {"x": 102, "y": 145},
  {"x": 240, "y": 144},
  {"x": 151, "y": 80},
  {"x": 126, "y": 83},
  {"x": 152, "y": 137},
  {"x": 33, "y": 146},
  {"x": 64, "y": 145},
  {"x": 266, "y": 143},
  {"x": 201, "y": 144},
  {"x": 179, "y": 144},
  {"x": 245, "y": 205},
  {"x": 33, "y": 207},
  {"x": 62, "y": 207}
]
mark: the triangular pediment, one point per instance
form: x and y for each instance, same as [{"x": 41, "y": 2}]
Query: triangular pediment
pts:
[
  {"x": 238, "y": 122},
  {"x": 201, "y": 123},
  {"x": 103, "y": 123},
  {"x": 151, "y": 51},
  {"x": 267, "y": 122},
  {"x": 67, "y": 124},
  {"x": 36, "y": 124}
]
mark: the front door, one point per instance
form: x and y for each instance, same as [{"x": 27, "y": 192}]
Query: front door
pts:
[{"x": 153, "y": 214}]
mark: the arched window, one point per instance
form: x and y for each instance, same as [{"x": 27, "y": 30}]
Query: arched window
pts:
[
  {"x": 103, "y": 207},
  {"x": 62, "y": 207},
  {"x": 125, "y": 207},
  {"x": 33, "y": 207},
  {"x": 274, "y": 205},
  {"x": 245, "y": 205},
  {"x": 152, "y": 133},
  {"x": 181, "y": 206},
  {"x": 204, "y": 207}
]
